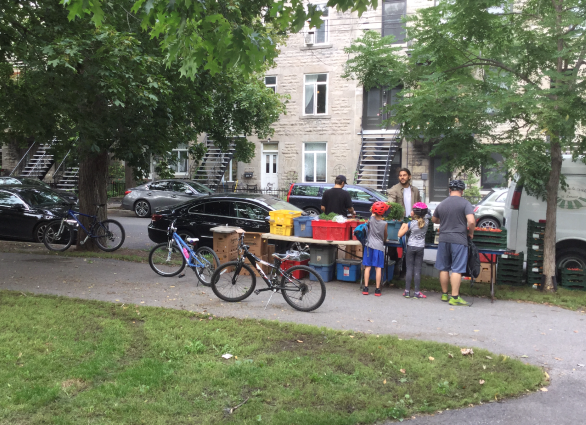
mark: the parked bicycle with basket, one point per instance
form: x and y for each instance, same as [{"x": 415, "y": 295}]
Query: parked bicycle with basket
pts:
[
  {"x": 301, "y": 286},
  {"x": 59, "y": 234},
  {"x": 170, "y": 258}
]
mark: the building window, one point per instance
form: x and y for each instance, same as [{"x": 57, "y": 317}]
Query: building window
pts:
[
  {"x": 314, "y": 162},
  {"x": 393, "y": 13},
  {"x": 271, "y": 82},
  {"x": 319, "y": 35},
  {"x": 494, "y": 176},
  {"x": 315, "y": 96},
  {"x": 179, "y": 157}
]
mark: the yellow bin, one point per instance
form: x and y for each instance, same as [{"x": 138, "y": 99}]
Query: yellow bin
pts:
[{"x": 284, "y": 217}]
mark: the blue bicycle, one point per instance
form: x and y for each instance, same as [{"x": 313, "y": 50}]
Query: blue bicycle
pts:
[
  {"x": 170, "y": 258},
  {"x": 59, "y": 234}
]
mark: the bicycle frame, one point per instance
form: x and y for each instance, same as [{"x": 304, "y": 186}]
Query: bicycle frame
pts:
[
  {"x": 190, "y": 253},
  {"x": 74, "y": 215}
]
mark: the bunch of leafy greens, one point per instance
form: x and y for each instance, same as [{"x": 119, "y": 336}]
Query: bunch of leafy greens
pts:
[
  {"x": 329, "y": 216},
  {"x": 396, "y": 211}
]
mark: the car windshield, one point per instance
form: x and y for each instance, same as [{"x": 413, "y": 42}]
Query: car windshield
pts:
[
  {"x": 40, "y": 198},
  {"x": 34, "y": 182},
  {"x": 277, "y": 204},
  {"x": 379, "y": 195},
  {"x": 483, "y": 200},
  {"x": 200, "y": 187}
]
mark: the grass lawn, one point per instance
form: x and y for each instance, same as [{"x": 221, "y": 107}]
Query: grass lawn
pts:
[{"x": 68, "y": 361}]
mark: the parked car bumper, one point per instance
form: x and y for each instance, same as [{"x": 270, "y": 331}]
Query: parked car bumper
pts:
[
  {"x": 127, "y": 203},
  {"x": 157, "y": 235}
]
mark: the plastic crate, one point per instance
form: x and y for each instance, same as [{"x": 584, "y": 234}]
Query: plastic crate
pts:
[
  {"x": 299, "y": 274},
  {"x": 393, "y": 230},
  {"x": 284, "y": 217},
  {"x": 277, "y": 229},
  {"x": 330, "y": 231},
  {"x": 302, "y": 227},
  {"x": 390, "y": 271},
  {"x": 353, "y": 225},
  {"x": 325, "y": 271},
  {"x": 573, "y": 278},
  {"x": 348, "y": 270},
  {"x": 322, "y": 255}
]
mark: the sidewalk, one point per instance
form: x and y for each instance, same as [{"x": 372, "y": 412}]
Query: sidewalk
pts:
[{"x": 549, "y": 336}]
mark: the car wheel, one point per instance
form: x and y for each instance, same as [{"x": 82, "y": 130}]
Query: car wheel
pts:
[
  {"x": 142, "y": 208},
  {"x": 185, "y": 234},
  {"x": 488, "y": 223},
  {"x": 573, "y": 258},
  {"x": 312, "y": 211},
  {"x": 39, "y": 232}
]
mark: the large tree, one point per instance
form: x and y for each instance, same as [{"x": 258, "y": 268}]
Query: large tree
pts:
[
  {"x": 488, "y": 76},
  {"x": 109, "y": 90}
]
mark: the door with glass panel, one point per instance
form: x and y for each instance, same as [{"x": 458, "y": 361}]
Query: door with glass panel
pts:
[{"x": 270, "y": 165}]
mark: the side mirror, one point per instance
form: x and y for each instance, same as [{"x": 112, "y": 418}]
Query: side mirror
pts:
[
  {"x": 268, "y": 219},
  {"x": 189, "y": 191},
  {"x": 18, "y": 207},
  {"x": 372, "y": 199}
]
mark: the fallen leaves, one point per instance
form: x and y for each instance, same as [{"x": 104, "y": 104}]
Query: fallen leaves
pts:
[
  {"x": 450, "y": 355},
  {"x": 299, "y": 341},
  {"x": 227, "y": 356},
  {"x": 466, "y": 351},
  {"x": 402, "y": 371},
  {"x": 481, "y": 382},
  {"x": 431, "y": 358},
  {"x": 489, "y": 358},
  {"x": 543, "y": 389},
  {"x": 524, "y": 356},
  {"x": 385, "y": 382}
]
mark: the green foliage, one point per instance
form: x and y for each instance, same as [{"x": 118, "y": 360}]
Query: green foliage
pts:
[
  {"x": 396, "y": 211},
  {"x": 472, "y": 192},
  {"x": 330, "y": 216},
  {"x": 116, "y": 171}
]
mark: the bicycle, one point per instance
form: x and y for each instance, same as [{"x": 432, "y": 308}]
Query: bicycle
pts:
[
  {"x": 299, "y": 290},
  {"x": 170, "y": 258},
  {"x": 59, "y": 234}
]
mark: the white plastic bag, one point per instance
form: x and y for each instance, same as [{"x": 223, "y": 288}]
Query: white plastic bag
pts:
[{"x": 339, "y": 219}]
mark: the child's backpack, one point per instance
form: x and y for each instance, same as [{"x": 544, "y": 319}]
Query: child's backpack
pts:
[{"x": 361, "y": 232}]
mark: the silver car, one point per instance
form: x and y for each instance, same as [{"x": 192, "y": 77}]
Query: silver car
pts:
[
  {"x": 146, "y": 198},
  {"x": 490, "y": 211}
]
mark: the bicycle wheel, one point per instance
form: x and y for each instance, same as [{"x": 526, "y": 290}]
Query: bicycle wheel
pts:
[
  {"x": 165, "y": 262},
  {"x": 110, "y": 235},
  {"x": 231, "y": 286},
  {"x": 305, "y": 293},
  {"x": 210, "y": 263},
  {"x": 57, "y": 238}
]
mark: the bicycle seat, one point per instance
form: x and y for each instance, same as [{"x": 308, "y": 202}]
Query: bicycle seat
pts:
[
  {"x": 100, "y": 205},
  {"x": 191, "y": 240}
]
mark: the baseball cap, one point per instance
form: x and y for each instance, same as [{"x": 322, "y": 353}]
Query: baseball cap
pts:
[{"x": 341, "y": 177}]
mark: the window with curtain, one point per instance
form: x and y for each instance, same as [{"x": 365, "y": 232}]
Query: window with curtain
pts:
[
  {"x": 393, "y": 13},
  {"x": 314, "y": 162},
  {"x": 494, "y": 176},
  {"x": 271, "y": 82},
  {"x": 322, "y": 33},
  {"x": 315, "y": 95}
]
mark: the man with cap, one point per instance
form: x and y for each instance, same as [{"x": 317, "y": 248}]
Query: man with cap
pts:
[{"x": 337, "y": 200}]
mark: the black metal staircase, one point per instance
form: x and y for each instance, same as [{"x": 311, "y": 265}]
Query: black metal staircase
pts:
[
  {"x": 213, "y": 164},
  {"x": 374, "y": 163}
]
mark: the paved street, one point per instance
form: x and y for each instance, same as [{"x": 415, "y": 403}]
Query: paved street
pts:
[
  {"x": 549, "y": 336},
  {"x": 137, "y": 236}
]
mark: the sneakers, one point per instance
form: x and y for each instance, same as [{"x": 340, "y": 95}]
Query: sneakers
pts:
[
  {"x": 377, "y": 292},
  {"x": 365, "y": 290},
  {"x": 458, "y": 301},
  {"x": 406, "y": 294},
  {"x": 445, "y": 298},
  {"x": 419, "y": 295}
]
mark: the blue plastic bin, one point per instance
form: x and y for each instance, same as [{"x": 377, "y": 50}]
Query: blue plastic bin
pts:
[
  {"x": 326, "y": 272},
  {"x": 390, "y": 271},
  {"x": 348, "y": 270},
  {"x": 302, "y": 227},
  {"x": 393, "y": 229}
]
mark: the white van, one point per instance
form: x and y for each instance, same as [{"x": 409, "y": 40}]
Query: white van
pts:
[{"x": 571, "y": 216}]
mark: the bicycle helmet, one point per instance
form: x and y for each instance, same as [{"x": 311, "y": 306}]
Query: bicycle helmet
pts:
[
  {"x": 380, "y": 208},
  {"x": 420, "y": 209},
  {"x": 457, "y": 185}
]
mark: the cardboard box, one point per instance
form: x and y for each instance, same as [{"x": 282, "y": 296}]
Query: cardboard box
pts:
[
  {"x": 225, "y": 243},
  {"x": 227, "y": 256},
  {"x": 349, "y": 252},
  {"x": 484, "y": 275},
  {"x": 270, "y": 251},
  {"x": 256, "y": 273},
  {"x": 257, "y": 245}
]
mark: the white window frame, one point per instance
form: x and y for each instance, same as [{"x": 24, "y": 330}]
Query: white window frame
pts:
[
  {"x": 178, "y": 152},
  {"x": 315, "y": 93},
  {"x": 326, "y": 23},
  {"x": 273, "y": 86},
  {"x": 230, "y": 169},
  {"x": 314, "y": 162}
]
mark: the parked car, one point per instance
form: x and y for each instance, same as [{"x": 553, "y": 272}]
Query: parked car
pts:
[
  {"x": 26, "y": 210},
  {"x": 307, "y": 196},
  {"x": 146, "y": 198},
  {"x": 490, "y": 211},
  {"x": 571, "y": 214},
  {"x": 65, "y": 194},
  {"x": 195, "y": 219}
]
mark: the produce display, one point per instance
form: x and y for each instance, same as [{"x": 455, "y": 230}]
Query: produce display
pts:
[
  {"x": 396, "y": 211},
  {"x": 329, "y": 216}
]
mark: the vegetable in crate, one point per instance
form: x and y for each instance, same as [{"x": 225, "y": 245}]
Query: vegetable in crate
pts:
[
  {"x": 329, "y": 216},
  {"x": 396, "y": 211}
]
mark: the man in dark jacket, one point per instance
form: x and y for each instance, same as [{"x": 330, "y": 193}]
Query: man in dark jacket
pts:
[{"x": 337, "y": 200}]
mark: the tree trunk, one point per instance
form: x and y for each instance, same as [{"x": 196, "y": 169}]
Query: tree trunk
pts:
[
  {"x": 93, "y": 174},
  {"x": 549, "y": 265},
  {"x": 129, "y": 180}
]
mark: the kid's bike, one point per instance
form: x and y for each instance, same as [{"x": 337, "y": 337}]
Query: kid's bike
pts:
[
  {"x": 301, "y": 286},
  {"x": 170, "y": 258}
]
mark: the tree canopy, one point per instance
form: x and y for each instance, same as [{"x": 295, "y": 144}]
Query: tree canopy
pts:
[{"x": 486, "y": 76}]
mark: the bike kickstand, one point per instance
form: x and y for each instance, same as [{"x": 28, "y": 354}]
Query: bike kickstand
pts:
[{"x": 272, "y": 293}]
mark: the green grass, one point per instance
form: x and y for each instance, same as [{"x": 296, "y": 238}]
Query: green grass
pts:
[
  {"x": 69, "y": 361},
  {"x": 570, "y": 299}
]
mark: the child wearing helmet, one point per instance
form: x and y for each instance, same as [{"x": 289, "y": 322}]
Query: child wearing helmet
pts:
[
  {"x": 374, "y": 248},
  {"x": 415, "y": 247}
]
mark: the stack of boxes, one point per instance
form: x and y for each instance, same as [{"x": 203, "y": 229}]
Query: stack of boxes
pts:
[
  {"x": 282, "y": 221},
  {"x": 259, "y": 247},
  {"x": 573, "y": 278},
  {"x": 535, "y": 241},
  {"x": 226, "y": 244},
  {"x": 490, "y": 238},
  {"x": 510, "y": 269}
]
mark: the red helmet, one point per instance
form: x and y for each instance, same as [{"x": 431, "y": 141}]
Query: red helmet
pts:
[{"x": 380, "y": 208}]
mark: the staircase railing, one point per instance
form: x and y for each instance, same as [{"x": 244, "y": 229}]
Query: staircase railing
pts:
[
  {"x": 39, "y": 161},
  {"x": 357, "y": 173},
  {"x": 21, "y": 159},
  {"x": 390, "y": 157},
  {"x": 56, "y": 175}
]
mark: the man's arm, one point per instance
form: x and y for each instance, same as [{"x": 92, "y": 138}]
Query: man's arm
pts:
[
  {"x": 471, "y": 225},
  {"x": 349, "y": 205},
  {"x": 323, "y": 209},
  {"x": 351, "y": 211},
  {"x": 435, "y": 219}
]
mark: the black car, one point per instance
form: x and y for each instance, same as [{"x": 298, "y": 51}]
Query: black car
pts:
[
  {"x": 25, "y": 211},
  {"x": 307, "y": 196},
  {"x": 17, "y": 181},
  {"x": 195, "y": 218}
]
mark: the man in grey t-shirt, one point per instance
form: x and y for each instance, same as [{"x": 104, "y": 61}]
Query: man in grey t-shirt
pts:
[{"x": 456, "y": 218}]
